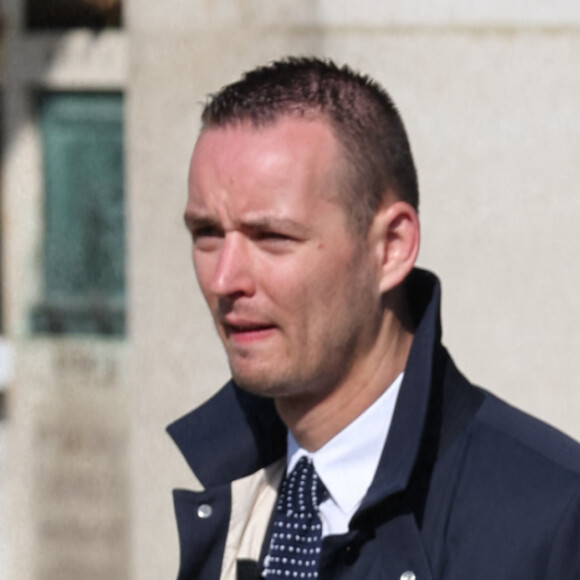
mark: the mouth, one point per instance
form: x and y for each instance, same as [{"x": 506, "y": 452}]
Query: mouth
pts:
[{"x": 248, "y": 331}]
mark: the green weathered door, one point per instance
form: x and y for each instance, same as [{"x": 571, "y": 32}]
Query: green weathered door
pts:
[{"x": 84, "y": 245}]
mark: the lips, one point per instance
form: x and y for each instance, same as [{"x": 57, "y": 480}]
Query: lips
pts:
[{"x": 245, "y": 330}]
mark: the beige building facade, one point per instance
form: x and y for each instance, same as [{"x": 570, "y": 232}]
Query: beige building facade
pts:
[{"x": 489, "y": 94}]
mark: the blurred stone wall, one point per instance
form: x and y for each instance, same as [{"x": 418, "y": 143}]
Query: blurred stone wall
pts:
[
  {"x": 489, "y": 96},
  {"x": 65, "y": 496}
]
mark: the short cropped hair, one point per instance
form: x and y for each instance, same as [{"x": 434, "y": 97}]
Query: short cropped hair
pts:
[{"x": 361, "y": 114}]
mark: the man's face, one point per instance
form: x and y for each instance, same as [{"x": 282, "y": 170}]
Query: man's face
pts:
[{"x": 293, "y": 293}]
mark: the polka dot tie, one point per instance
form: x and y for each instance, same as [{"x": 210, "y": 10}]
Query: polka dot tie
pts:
[{"x": 297, "y": 533}]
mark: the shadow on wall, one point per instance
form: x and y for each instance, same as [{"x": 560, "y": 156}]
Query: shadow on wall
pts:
[
  {"x": 66, "y": 14},
  {"x": 49, "y": 19}
]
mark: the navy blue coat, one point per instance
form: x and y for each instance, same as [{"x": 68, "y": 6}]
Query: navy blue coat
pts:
[{"x": 468, "y": 488}]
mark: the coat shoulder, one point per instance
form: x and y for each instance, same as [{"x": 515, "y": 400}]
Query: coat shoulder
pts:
[
  {"x": 530, "y": 439},
  {"x": 514, "y": 507}
]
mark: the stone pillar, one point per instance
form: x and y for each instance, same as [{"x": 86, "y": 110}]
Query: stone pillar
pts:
[{"x": 67, "y": 512}]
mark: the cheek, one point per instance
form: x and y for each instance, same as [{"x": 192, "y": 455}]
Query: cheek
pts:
[
  {"x": 310, "y": 294},
  {"x": 285, "y": 287},
  {"x": 204, "y": 269}
]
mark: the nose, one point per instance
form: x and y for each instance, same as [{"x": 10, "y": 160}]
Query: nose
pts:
[{"x": 233, "y": 276}]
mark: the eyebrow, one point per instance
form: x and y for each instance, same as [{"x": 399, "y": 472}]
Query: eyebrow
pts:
[
  {"x": 258, "y": 224},
  {"x": 193, "y": 221},
  {"x": 273, "y": 223}
]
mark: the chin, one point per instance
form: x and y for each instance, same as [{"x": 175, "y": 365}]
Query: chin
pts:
[
  {"x": 252, "y": 384},
  {"x": 264, "y": 386}
]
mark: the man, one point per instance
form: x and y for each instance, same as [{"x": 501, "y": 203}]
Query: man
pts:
[{"x": 303, "y": 213}]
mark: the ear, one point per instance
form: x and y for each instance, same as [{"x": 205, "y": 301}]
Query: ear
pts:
[{"x": 395, "y": 235}]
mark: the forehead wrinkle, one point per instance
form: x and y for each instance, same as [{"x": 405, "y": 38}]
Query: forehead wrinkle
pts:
[{"x": 215, "y": 211}]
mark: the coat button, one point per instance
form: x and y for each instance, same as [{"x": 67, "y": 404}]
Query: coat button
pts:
[
  {"x": 408, "y": 575},
  {"x": 204, "y": 511}
]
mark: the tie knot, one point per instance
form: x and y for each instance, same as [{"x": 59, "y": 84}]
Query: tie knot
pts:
[{"x": 302, "y": 490}]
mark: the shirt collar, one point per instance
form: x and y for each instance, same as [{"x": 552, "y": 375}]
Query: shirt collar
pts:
[{"x": 347, "y": 463}]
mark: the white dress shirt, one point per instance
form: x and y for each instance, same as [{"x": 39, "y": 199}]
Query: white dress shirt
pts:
[{"x": 347, "y": 463}]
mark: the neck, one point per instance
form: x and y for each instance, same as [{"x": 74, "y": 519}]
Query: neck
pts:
[{"x": 314, "y": 421}]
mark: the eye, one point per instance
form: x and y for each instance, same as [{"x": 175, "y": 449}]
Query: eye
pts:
[
  {"x": 274, "y": 242},
  {"x": 205, "y": 232},
  {"x": 204, "y": 237},
  {"x": 273, "y": 236}
]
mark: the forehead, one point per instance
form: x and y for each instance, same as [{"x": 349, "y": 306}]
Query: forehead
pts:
[
  {"x": 286, "y": 137},
  {"x": 279, "y": 159}
]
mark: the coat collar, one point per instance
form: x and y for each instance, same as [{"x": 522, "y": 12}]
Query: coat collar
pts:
[
  {"x": 230, "y": 436},
  {"x": 236, "y": 433},
  {"x": 403, "y": 442}
]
